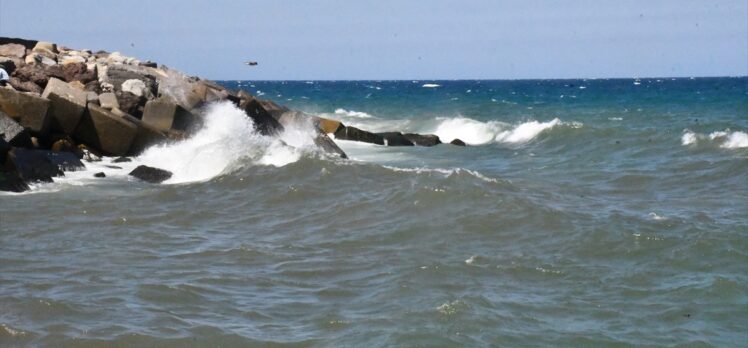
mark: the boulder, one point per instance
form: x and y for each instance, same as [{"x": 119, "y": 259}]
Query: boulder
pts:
[
  {"x": 25, "y": 86},
  {"x": 265, "y": 123},
  {"x": 39, "y": 74},
  {"x": 78, "y": 71},
  {"x": 32, "y": 165},
  {"x": 164, "y": 114},
  {"x": 108, "y": 101},
  {"x": 100, "y": 175},
  {"x": 145, "y": 136},
  {"x": 395, "y": 139},
  {"x": 65, "y": 161},
  {"x": 46, "y": 49},
  {"x": 423, "y": 139},
  {"x": 150, "y": 174},
  {"x": 117, "y": 75},
  {"x": 328, "y": 126},
  {"x": 65, "y": 60},
  {"x": 355, "y": 134},
  {"x": 13, "y": 133},
  {"x": 134, "y": 86},
  {"x": 10, "y": 64},
  {"x": 130, "y": 103},
  {"x": 10, "y": 181},
  {"x": 122, "y": 159},
  {"x": 458, "y": 142},
  {"x": 105, "y": 131},
  {"x": 66, "y": 145},
  {"x": 328, "y": 146},
  {"x": 13, "y": 50},
  {"x": 67, "y": 105},
  {"x": 30, "y": 111}
]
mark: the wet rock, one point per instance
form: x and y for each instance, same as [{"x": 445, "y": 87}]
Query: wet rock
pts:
[
  {"x": 13, "y": 133},
  {"x": 423, "y": 139},
  {"x": 32, "y": 165},
  {"x": 12, "y": 182},
  {"x": 108, "y": 101},
  {"x": 89, "y": 154},
  {"x": 105, "y": 131},
  {"x": 355, "y": 134},
  {"x": 30, "y": 111},
  {"x": 13, "y": 50},
  {"x": 65, "y": 161},
  {"x": 328, "y": 126},
  {"x": 395, "y": 139},
  {"x": 67, "y": 105},
  {"x": 150, "y": 174},
  {"x": 66, "y": 145},
  {"x": 458, "y": 142},
  {"x": 328, "y": 146},
  {"x": 264, "y": 122},
  {"x": 100, "y": 175},
  {"x": 164, "y": 114},
  {"x": 122, "y": 159}
]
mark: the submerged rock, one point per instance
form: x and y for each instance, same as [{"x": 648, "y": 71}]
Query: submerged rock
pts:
[
  {"x": 355, "y": 134},
  {"x": 423, "y": 139},
  {"x": 150, "y": 174},
  {"x": 395, "y": 139},
  {"x": 458, "y": 142}
]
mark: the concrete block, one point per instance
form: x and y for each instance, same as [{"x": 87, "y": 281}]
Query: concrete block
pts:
[
  {"x": 67, "y": 105},
  {"x": 29, "y": 110},
  {"x": 105, "y": 131}
]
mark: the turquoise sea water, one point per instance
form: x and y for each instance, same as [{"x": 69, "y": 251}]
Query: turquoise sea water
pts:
[{"x": 584, "y": 213}]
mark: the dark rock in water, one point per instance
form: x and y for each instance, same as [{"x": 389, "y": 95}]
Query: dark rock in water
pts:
[
  {"x": 32, "y": 165},
  {"x": 457, "y": 142},
  {"x": 122, "y": 159},
  {"x": 30, "y": 111},
  {"x": 13, "y": 133},
  {"x": 395, "y": 139},
  {"x": 11, "y": 182},
  {"x": 67, "y": 105},
  {"x": 112, "y": 167},
  {"x": 355, "y": 134},
  {"x": 100, "y": 175},
  {"x": 264, "y": 122},
  {"x": 106, "y": 131},
  {"x": 423, "y": 139},
  {"x": 150, "y": 174},
  {"x": 328, "y": 146},
  {"x": 65, "y": 161}
]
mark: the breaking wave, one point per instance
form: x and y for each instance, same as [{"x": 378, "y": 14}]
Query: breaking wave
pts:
[
  {"x": 475, "y": 132},
  {"x": 352, "y": 113},
  {"x": 725, "y": 139}
]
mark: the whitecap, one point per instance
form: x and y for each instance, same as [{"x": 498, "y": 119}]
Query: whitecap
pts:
[
  {"x": 431, "y": 85},
  {"x": 352, "y": 113}
]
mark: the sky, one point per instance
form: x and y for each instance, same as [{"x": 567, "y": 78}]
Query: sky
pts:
[{"x": 397, "y": 39}]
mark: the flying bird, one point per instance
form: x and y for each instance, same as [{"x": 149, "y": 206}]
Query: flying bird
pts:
[{"x": 250, "y": 63}]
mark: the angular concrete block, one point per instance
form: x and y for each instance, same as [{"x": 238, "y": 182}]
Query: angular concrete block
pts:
[
  {"x": 145, "y": 137},
  {"x": 327, "y": 126},
  {"x": 108, "y": 101},
  {"x": 12, "y": 132},
  {"x": 355, "y": 134},
  {"x": 68, "y": 105},
  {"x": 30, "y": 111},
  {"x": 164, "y": 114},
  {"x": 105, "y": 131}
]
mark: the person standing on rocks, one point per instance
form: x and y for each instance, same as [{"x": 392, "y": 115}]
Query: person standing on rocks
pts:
[{"x": 4, "y": 78}]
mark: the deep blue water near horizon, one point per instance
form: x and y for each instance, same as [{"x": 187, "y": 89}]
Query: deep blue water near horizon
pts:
[{"x": 597, "y": 212}]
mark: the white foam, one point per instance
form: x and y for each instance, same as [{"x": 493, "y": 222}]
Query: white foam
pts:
[
  {"x": 474, "y": 132},
  {"x": 726, "y": 139},
  {"x": 352, "y": 113},
  {"x": 227, "y": 138},
  {"x": 430, "y": 85},
  {"x": 526, "y": 131}
]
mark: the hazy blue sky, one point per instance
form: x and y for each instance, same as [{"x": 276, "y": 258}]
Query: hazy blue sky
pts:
[{"x": 388, "y": 39}]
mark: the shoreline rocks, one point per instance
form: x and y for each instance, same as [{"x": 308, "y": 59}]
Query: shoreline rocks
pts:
[{"x": 63, "y": 104}]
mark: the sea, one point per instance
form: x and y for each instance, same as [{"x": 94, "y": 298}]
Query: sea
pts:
[{"x": 582, "y": 213}]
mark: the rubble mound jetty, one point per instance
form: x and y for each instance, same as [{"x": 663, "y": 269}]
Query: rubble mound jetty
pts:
[{"x": 62, "y": 107}]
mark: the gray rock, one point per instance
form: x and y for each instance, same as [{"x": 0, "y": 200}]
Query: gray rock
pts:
[
  {"x": 30, "y": 111},
  {"x": 67, "y": 105},
  {"x": 150, "y": 174},
  {"x": 105, "y": 131},
  {"x": 423, "y": 139},
  {"x": 108, "y": 101},
  {"x": 355, "y": 134},
  {"x": 395, "y": 139},
  {"x": 13, "y": 133}
]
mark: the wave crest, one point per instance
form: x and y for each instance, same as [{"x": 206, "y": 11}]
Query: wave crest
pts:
[
  {"x": 475, "y": 132},
  {"x": 726, "y": 139}
]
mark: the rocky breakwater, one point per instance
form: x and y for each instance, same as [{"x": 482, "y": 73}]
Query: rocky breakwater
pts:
[{"x": 63, "y": 107}]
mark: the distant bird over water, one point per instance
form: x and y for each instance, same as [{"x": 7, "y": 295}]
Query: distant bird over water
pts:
[{"x": 250, "y": 63}]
